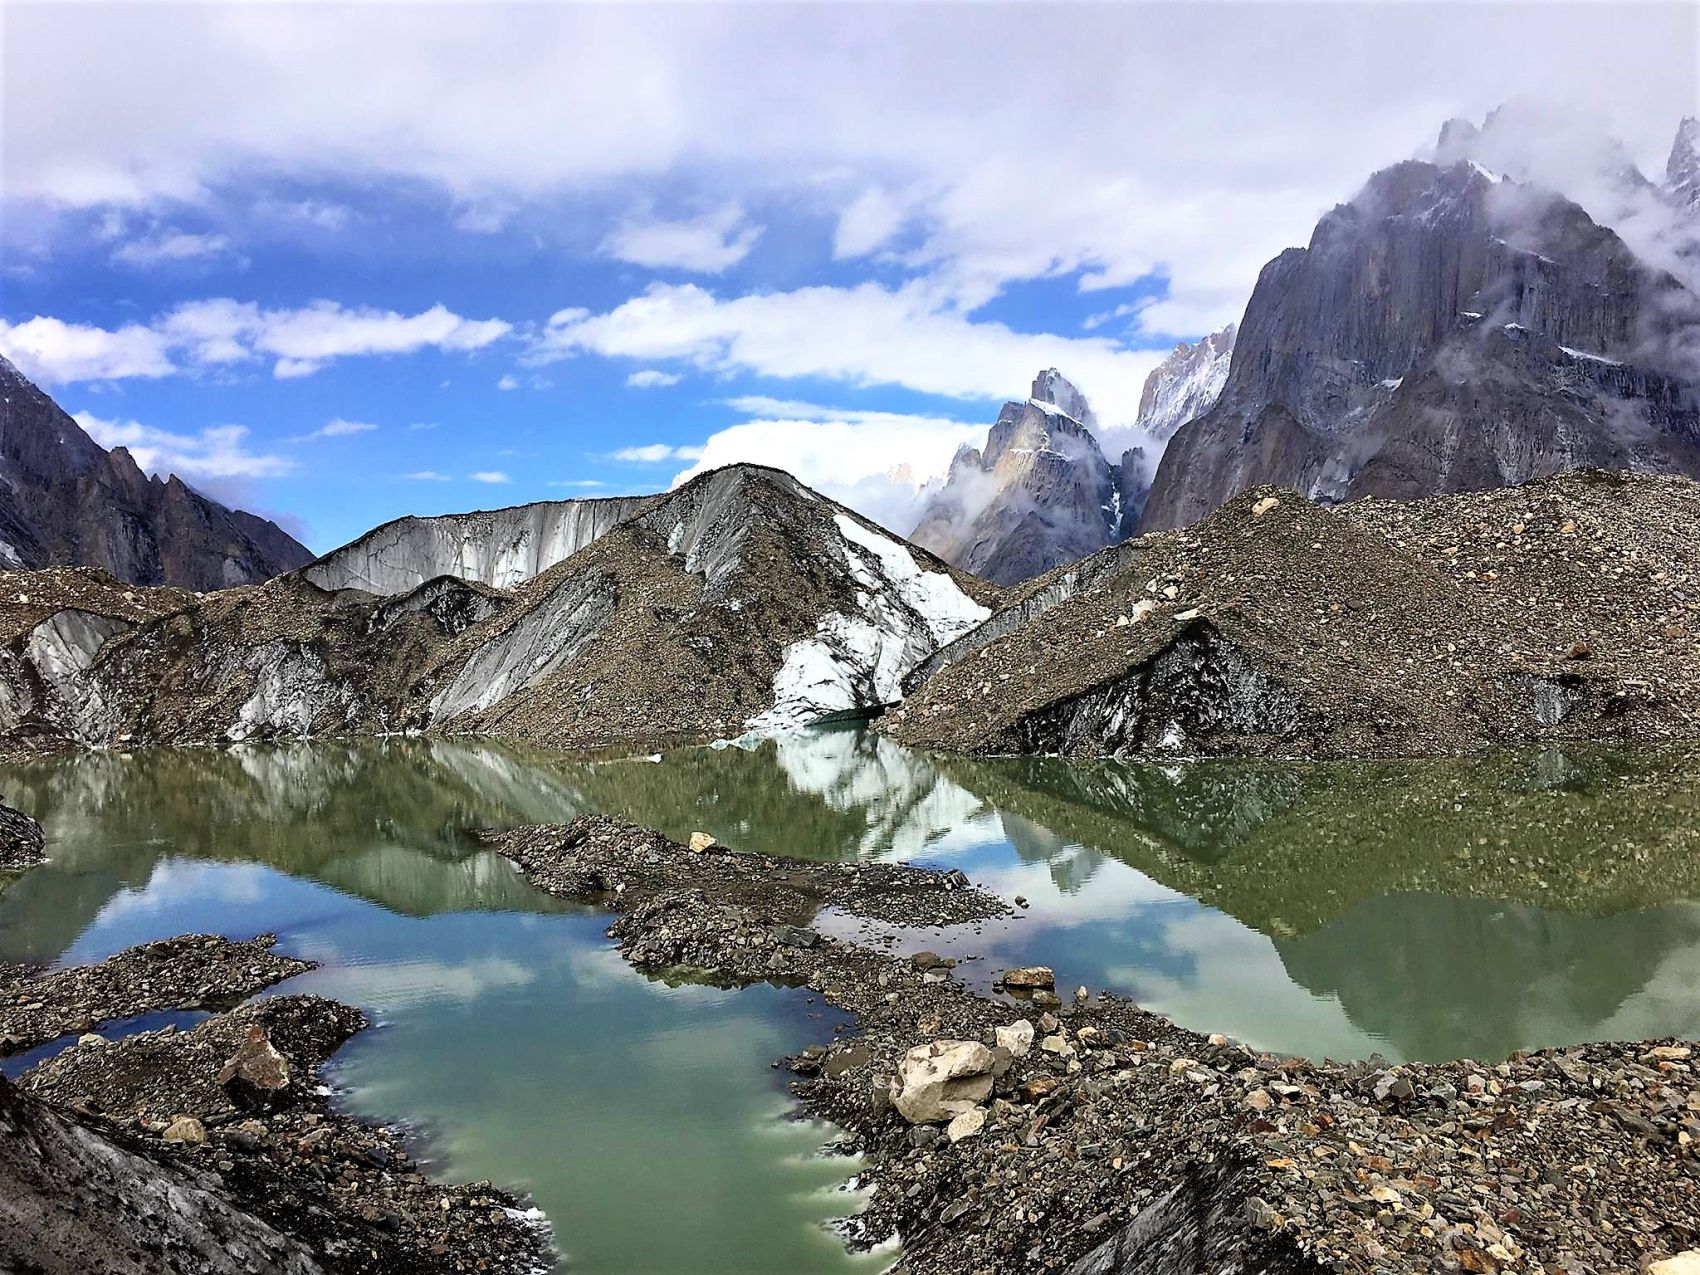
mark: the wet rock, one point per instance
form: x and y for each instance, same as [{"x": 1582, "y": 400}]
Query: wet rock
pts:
[
  {"x": 22, "y": 844},
  {"x": 1031, "y": 976}
]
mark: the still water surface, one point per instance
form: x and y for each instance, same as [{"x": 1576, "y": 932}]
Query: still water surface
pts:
[{"x": 1420, "y": 910}]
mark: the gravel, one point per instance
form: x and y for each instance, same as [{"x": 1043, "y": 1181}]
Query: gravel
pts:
[
  {"x": 1565, "y": 609},
  {"x": 1574, "y": 1160},
  {"x": 191, "y": 971}
]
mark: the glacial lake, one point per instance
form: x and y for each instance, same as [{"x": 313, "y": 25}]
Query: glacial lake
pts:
[{"x": 1417, "y": 910}]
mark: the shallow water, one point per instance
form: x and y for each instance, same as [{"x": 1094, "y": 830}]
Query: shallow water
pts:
[{"x": 1427, "y": 910}]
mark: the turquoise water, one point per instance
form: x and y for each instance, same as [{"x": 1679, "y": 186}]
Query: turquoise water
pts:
[{"x": 1419, "y": 910}]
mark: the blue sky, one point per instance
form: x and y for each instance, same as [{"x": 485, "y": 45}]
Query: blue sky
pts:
[{"x": 340, "y": 264}]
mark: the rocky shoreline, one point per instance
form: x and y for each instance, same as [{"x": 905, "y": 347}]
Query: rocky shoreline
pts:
[
  {"x": 1082, "y": 1134},
  {"x": 217, "y": 1148}
]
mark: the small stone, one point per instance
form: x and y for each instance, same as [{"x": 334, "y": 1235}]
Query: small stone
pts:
[
  {"x": 701, "y": 841},
  {"x": 185, "y": 1129},
  {"x": 966, "y": 1125},
  {"x": 1017, "y": 1038},
  {"x": 1264, "y": 506},
  {"x": 1259, "y": 1100}
]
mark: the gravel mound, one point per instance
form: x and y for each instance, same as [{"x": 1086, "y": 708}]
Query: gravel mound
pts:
[{"x": 1566, "y": 609}]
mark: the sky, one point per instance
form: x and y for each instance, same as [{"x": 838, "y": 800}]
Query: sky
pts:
[{"x": 341, "y": 263}]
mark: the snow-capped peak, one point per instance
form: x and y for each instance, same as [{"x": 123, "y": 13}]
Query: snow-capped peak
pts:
[
  {"x": 1186, "y": 384},
  {"x": 1051, "y": 389}
]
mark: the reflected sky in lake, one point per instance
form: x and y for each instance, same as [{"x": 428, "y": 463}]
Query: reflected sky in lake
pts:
[{"x": 1431, "y": 909}]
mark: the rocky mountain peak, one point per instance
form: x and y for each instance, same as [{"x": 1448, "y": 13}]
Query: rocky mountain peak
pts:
[
  {"x": 1457, "y": 142},
  {"x": 1039, "y": 494},
  {"x": 1448, "y": 329},
  {"x": 1682, "y": 170},
  {"x": 67, "y": 501},
  {"x": 1186, "y": 384},
  {"x": 1053, "y": 388}
]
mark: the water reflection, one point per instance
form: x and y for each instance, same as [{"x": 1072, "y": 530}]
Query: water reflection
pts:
[{"x": 1420, "y": 909}]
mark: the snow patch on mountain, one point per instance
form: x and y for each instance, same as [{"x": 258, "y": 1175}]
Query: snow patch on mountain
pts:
[{"x": 1186, "y": 384}]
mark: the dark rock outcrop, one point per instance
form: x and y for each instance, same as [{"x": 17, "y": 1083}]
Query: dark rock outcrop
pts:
[
  {"x": 65, "y": 500},
  {"x": 1447, "y": 330},
  {"x": 73, "y": 1202},
  {"x": 22, "y": 843}
]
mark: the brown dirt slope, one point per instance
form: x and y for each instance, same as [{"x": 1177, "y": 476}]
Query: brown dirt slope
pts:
[{"x": 1564, "y": 609}]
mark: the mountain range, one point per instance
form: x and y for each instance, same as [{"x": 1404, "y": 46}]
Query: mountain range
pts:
[
  {"x": 1041, "y": 492},
  {"x": 66, "y": 500},
  {"x": 1449, "y": 329}
]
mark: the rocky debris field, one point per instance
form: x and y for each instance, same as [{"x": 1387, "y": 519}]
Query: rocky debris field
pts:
[
  {"x": 29, "y": 597},
  {"x": 1077, "y": 1133},
  {"x": 596, "y": 857},
  {"x": 741, "y": 601},
  {"x": 1566, "y": 609},
  {"x": 237, "y": 1105},
  {"x": 191, "y": 971},
  {"x": 23, "y": 845}
]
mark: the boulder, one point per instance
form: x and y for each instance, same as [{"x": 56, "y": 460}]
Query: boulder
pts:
[
  {"x": 256, "y": 1074},
  {"x": 701, "y": 841},
  {"x": 1040, "y": 976},
  {"x": 1017, "y": 1038},
  {"x": 937, "y": 1082}
]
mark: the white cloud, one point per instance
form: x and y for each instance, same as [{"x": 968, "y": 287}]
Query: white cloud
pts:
[
  {"x": 581, "y": 483},
  {"x": 508, "y": 382},
  {"x": 868, "y": 223},
  {"x": 878, "y": 463},
  {"x": 1090, "y": 169},
  {"x": 318, "y": 213},
  {"x": 423, "y": 425},
  {"x": 709, "y": 244},
  {"x": 490, "y": 476},
  {"x": 220, "y": 331},
  {"x": 219, "y": 451},
  {"x": 337, "y": 428},
  {"x": 427, "y": 476},
  {"x": 864, "y": 335},
  {"x": 652, "y": 378},
  {"x": 169, "y": 245},
  {"x": 52, "y": 351},
  {"x": 654, "y": 453}
]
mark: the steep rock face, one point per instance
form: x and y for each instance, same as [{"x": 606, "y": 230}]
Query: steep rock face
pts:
[
  {"x": 498, "y": 547},
  {"x": 1563, "y": 609},
  {"x": 1039, "y": 494},
  {"x": 1400, "y": 330},
  {"x": 1186, "y": 384},
  {"x": 66, "y": 500},
  {"x": 1682, "y": 170},
  {"x": 741, "y": 601}
]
